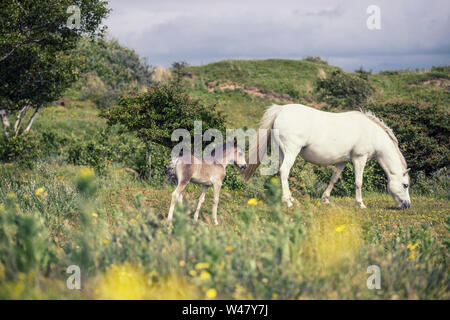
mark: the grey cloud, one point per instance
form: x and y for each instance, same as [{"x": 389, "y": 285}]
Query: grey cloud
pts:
[{"x": 414, "y": 33}]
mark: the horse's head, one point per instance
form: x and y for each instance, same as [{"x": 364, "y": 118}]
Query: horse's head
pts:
[{"x": 398, "y": 187}]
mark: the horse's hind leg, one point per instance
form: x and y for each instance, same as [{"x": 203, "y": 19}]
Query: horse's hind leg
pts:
[
  {"x": 200, "y": 202},
  {"x": 217, "y": 187},
  {"x": 175, "y": 197},
  {"x": 334, "y": 178}
]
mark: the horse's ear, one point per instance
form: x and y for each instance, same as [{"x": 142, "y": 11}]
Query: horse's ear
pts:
[{"x": 406, "y": 172}]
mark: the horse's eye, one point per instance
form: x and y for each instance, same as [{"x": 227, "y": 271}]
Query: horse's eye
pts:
[{"x": 405, "y": 186}]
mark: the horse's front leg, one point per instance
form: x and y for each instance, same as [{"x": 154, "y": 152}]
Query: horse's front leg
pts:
[
  {"x": 359, "y": 164},
  {"x": 334, "y": 178},
  {"x": 217, "y": 187},
  {"x": 288, "y": 161}
]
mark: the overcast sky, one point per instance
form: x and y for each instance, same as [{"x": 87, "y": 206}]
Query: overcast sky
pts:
[{"x": 414, "y": 33}]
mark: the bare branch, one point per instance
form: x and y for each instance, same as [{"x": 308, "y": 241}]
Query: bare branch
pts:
[
  {"x": 32, "y": 118},
  {"x": 19, "y": 120}
]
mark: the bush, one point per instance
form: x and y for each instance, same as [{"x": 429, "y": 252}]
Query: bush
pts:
[
  {"x": 423, "y": 132},
  {"x": 154, "y": 115},
  {"x": 23, "y": 149},
  {"x": 310, "y": 179},
  {"x": 343, "y": 90},
  {"x": 109, "y": 69}
]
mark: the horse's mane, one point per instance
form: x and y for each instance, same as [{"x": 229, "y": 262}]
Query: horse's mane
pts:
[{"x": 389, "y": 132}]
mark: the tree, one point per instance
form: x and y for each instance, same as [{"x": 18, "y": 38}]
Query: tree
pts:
[
  {"x": 36, "y": 64},
  {"x": 154, "y": 115}
]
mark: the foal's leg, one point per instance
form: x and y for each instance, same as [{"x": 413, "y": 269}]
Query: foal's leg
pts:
[
  {"x": 200, "y": 202},
  {"x": 359, "y": 164},
  {"x": 217, "y": 187},
  {"x": 334, "y": 178},
  {"x": 176, "y": 196}
]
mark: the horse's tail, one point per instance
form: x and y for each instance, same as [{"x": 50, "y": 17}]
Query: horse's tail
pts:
[
  {"x": 172, "y": 170},
  {"x": 259, "y": 143}
]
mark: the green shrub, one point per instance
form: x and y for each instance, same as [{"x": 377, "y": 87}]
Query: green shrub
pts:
[
  {"x": 108, "y": 70},
  {"x": 23, "y": 149},
  {"x": 423, "y": 132},
  {"x": 343, "y": 90},
  {"x": 310, "y": 179}
]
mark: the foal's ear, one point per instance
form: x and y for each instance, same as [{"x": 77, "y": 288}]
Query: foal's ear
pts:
[
  {"x": 406, "y": 172},
  {"x": 235, "y": 142}
]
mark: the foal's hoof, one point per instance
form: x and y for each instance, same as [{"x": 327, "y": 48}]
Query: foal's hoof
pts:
[
  {"x": 360, "y": 205},
  {"x": 325, "y": 201}
]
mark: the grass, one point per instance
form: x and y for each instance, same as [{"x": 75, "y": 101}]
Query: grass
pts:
[
  {"x": 112, "y": 226},
  {"x": 260, "y": 251}
]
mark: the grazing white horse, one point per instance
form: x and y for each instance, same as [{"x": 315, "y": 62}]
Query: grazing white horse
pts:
[{"x": 326, "y": 138}]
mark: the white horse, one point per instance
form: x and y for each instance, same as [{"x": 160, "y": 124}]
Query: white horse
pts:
[{"x": 326, "y": 138}]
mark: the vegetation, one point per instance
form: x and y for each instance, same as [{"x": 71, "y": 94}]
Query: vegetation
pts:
[
  {"x": 108, "y": 70},
  {"x": 35, "y": 60},
  {"x": 90, "y": 201}
]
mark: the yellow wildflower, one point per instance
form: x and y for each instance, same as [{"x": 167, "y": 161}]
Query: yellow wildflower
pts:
[
  {"x": 86, "y": 172},
  {"x": 182, "y": 263},
  {"x": 39, "y": 191},
  {"x": 133, "y": 221},
  {"x": 11, "y": 195},
  {"x": 252, "y": 202},
  {"x": 95, "y": 215},
  {"x": 106, "y": 241},
  {"x": 274, "y": 179},
  {"x": 340, "y": 228},
  {"x": 204, "y": 275},
  {"x": 211, "y": 293},
  {"x": 229, "y": 248},
  {"x": 202, "y": 265},
  {"x": 192, "y": 273},
  {"x": 413, "y": 246}
]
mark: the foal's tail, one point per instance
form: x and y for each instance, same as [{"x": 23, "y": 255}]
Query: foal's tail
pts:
[
  {"x": 259, "y": 143},
  {"x": 172, "y": 170}
]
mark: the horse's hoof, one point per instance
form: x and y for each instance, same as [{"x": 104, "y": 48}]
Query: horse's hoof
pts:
[{"x": 325, "y": 201}]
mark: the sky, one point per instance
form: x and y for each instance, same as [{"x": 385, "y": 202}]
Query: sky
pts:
[{"x": 414, "y": 33}]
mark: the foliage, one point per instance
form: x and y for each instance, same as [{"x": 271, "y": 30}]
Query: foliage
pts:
[
  {"x": 343, "y": 90},
  {"x": 113, "y": 228},
  {"x": 423, "y": 131},
  {"x": 23, "y": 149},
  {"x": 155, "y": 114},
  {"x": 108, "y": 70},
  {"x": 35, "y": 46}
]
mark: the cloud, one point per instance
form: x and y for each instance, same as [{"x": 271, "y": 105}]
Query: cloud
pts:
[{"x": 413, "y": 33}]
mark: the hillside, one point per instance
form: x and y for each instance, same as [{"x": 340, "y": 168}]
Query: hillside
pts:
[{"x": 111, "y": 222}]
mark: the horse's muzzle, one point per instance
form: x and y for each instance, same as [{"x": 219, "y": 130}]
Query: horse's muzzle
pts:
[
  {"x": 405, "y": 205},
  {"x": 243, "y": 167}
]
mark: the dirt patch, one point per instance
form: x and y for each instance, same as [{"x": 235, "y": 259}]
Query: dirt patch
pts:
[
  {"x": 438, "y": 82},
  {"x": 257, "y": 92}
]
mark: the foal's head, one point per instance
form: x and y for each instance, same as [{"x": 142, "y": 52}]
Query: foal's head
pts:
[{"x": 233, "y": 154}]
